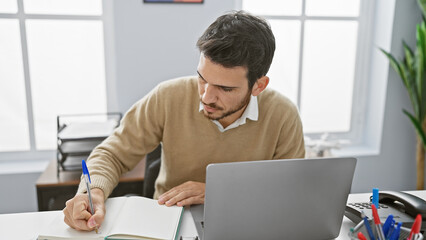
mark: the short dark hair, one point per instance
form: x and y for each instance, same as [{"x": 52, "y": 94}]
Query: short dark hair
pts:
[{"x": 240, "y": 39}]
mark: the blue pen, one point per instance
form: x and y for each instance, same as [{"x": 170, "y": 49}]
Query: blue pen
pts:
[
  {"x": 375, "y": 199},
  {"x": 391, "y": 229},
  {"x": 387, "y": 224},
  {"x": 87, "y": 180},
  {"x": 395, "y": 233},
  {"x": 367, "y": 226}
]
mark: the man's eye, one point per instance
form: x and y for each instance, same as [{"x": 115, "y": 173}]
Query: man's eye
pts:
[{"x": 227, "y": 89}]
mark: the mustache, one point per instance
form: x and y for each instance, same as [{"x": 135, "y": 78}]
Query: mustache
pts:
[{"x": 212, "y": 105}]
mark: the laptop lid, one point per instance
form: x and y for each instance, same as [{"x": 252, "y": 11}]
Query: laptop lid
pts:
[{"x": 277, "y": 199}]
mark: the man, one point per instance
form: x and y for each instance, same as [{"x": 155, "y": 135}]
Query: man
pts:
[{"x": 222, "y": 115}]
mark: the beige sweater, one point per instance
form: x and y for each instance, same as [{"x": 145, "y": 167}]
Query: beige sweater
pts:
[{"x": 170, "y": 115}]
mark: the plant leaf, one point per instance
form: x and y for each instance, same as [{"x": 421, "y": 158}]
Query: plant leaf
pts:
[
  {"x": 422, "y": 5},
  {"x": 418, "y": 85},
  {"x": 417, "y": 126},
  {"x": 411, "y": 88},
  {"x": 396, "y": 66},
  {"x": 409, "y": 58},
  {"x": 406, "y": 78},
  {"x": 420, "y": 78}
]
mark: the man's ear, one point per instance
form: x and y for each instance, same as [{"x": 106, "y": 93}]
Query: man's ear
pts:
[{"x": 259, "y": 85}]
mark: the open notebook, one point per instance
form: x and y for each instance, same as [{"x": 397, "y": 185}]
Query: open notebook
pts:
[{"x": 126, "y": 218}]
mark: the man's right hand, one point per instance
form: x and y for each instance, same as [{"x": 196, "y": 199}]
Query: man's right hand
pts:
[{"x": 77, "y": 211}]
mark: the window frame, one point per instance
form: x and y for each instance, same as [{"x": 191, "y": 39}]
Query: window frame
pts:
[
  {"x": 107, "y": 8},
  {"x": 362, "y": 67}
]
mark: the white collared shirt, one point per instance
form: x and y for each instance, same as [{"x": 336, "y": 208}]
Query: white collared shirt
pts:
[{"x": 251, "y": 112}]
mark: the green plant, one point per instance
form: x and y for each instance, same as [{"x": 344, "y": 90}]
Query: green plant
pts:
[{"x": 413, "y": 75}]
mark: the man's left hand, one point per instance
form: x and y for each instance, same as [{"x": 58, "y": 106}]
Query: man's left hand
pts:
[{"x": 183, "y": 195}]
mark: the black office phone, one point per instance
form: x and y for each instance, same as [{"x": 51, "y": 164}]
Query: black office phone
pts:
[{"x": 403, "y": 206}]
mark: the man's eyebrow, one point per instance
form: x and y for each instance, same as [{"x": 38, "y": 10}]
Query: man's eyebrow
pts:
[
  {"x": 221, "y": 86},
  {"x": 201, "y": 76}
]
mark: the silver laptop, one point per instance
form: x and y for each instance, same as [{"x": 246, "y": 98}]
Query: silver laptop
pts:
[{"x": 275, "y": 199}]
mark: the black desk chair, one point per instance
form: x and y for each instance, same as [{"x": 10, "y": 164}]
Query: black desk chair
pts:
[{"x": 152, "y": 168}]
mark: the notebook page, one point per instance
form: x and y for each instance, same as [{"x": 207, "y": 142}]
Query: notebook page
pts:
[
  {"x": 58, "y": 229},
  {"x": 145, "y": 217}
]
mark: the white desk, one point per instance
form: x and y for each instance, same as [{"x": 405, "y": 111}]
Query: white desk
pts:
[{"x": 25, "y": 226}]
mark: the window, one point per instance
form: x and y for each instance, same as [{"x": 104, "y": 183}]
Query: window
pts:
[
  {"x": 320, "y": 60},
  {"x": 51, "y": 63}
]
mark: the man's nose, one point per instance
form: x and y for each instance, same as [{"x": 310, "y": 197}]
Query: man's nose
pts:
[{"x": 210, "y": 95}]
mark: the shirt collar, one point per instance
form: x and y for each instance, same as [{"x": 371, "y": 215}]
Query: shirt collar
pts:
[{"x": 251, "y": 112}]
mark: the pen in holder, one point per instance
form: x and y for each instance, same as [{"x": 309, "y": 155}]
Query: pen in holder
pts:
[{"x": 360, "y": 227}]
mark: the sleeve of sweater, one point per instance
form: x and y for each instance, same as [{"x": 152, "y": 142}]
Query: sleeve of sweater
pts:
[
  {"x": 140, "y": 131},
  {"x": 291, "y": 142}
]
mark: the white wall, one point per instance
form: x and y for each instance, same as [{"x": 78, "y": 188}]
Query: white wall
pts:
[
  {"x": 156, "y": 42},
  {"x": 18, "y": 192},
  {"x": 394, "y": 167}
]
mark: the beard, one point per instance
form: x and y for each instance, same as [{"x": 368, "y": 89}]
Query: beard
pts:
[{"x": 240, "y": 106}]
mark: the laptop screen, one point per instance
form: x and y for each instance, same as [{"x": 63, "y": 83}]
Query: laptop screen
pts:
[{"x": 272, "y": 199}]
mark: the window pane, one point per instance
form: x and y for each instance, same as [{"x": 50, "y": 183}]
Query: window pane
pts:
[
  {"x": 342, "y": 8},
  {"x": 14, "y": 134},
  {"x": 284, "y": 70},
  {"x": 328, "y": 75},
  {"x": 273, "y": 7},
  {"x": 8, "y": 6},
  {"x": 68, "y": 7},
  {"x": 67, "y": 72}
]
